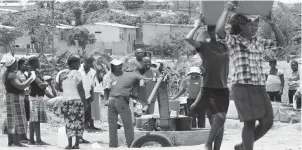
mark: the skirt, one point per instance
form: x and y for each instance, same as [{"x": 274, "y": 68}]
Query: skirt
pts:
[
  {"x": 37, "y": 109},
  {"x": 95, "y": 107},
  {"x": 252, "y": 102},
  {"x": 15, "y": 118},
  {"x": 73, "y": 111}
]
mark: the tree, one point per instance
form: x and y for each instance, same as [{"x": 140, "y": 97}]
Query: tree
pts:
[
  {"x": 91, "y": 6},
  {"x": 9, "y": 20},
  {"x": 8, "y": 36},
  {"x": 80, "y": 37},
  {"x": 39, "y": 25},
  {"x": 116, "y": 5},
  {"x": 171, "y": 45}
]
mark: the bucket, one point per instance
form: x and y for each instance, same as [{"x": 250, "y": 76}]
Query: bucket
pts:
[
  {"x": 62, "y": 140},
  {"x": 262, "y": 8},
  {"x": 211, "y": 11},
  {"x": 184, "y": 124},
  {"x": 285, "y": 113}
]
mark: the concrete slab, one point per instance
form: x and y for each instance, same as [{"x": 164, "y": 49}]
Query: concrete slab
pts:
[{"x": 178, "y": 138}]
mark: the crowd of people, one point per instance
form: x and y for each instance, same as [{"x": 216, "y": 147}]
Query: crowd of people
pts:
[{"x": 82, "y": 87}]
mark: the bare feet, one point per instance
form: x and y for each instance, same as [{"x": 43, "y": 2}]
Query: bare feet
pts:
[
  {"x": 75, "y": 147},
  {"x": 30, "y": 142},
  {"x": 18, "y": 145},
  {"x": 68, "y": 147},
  {"x": 239, "y": 147},
  {"x": 208, "y": 147}
]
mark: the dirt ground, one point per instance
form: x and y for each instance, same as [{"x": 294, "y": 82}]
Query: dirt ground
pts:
[{"x": 282, "y": 136}]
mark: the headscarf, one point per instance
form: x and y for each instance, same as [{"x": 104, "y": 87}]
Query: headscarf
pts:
[{"x": 7, "y": 60}]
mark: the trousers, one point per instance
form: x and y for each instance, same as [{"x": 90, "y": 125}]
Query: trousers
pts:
[
  {"x": 119, "y": 106},
  {"x": 198, "y": 113}
]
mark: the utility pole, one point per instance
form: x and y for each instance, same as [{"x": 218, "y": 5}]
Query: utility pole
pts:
[
  {"x": 53, "y": 40},
  {"x": 190, "y": 9}
]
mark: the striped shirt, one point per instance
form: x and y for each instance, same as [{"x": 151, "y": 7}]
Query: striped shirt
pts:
[{"x": 247, "y": 58}]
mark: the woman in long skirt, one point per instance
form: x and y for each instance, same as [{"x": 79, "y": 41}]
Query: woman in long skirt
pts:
[
  {"x": 14, "y": 103},
  {"x": 69, "y": 82}
]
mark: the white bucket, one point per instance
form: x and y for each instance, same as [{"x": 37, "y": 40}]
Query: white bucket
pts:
[{"x": 62, "y": 140}]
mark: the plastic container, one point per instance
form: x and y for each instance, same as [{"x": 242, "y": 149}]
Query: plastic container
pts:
[
  {"x": 262, "y": 8},
  {"x": 62, "y": 140},
  {"x": 174, "y": 106},
  {"x": 211, "y": 11}
]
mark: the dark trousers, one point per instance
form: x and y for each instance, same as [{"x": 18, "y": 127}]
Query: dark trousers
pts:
[
  {"x": 198, "y": 113},
  {"x": 119, "y": 106},
  {"x": 274, "y": 96},
  {"x": 88, "y": 119},
  {"x": 291, "y": 94}
]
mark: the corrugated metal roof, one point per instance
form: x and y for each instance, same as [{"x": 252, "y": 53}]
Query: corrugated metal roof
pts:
[{"x": 115, "y": 25}]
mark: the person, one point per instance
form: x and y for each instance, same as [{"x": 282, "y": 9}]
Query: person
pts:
[
  {"x": 293, "y": 81},
  {"x": 69, "y": 82},
  {"x": 153, "y": 74},
  {"x": 14, "y": 87},
  {"x": 110, "y": 80},
  {"x": 37, "y": 104},
  {"x": 214, "y": 95},
  {"x": 248, "y": 80},
  {"x": 118, "y": 104},
  {"x": 50, "y": 91},
  {"x": 88, "y": 75},
  {"x": 98, "y": 91},
  {"x": 136, "y": 63},
  {"x": 193, "y": 85},
  {"x": 23, "y": 75},
  {"x": 297, "y": 99},
  {"x": 274, "y": 82}
]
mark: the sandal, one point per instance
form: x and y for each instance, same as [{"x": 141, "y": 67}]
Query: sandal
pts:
[
  {"x": 31, "y": 142},
  {"x": 18, "y": 145},
  {"x": 68, "y": 147},
  {"x": 75, "y": 147}
]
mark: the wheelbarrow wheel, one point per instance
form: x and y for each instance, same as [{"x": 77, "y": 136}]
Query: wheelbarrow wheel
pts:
[{"x": 162, "y": 140}]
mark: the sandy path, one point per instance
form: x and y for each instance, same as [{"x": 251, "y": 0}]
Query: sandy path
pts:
[{"x": 281, "y": 137}]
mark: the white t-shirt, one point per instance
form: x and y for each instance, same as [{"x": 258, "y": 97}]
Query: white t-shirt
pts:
[{"x": 87, "y": 80}]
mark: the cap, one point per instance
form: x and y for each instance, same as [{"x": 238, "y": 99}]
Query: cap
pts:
[
  {"x": 194, "y": 70},
  {"x": 116, "y": 62},
  {"x": 45, "y": 78}
]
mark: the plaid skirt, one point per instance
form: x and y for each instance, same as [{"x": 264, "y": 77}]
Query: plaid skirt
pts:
[
  {"x": 252, "y": 102},
  {"x": 15, "y": 118},
  {"x": 73, "y": 113},
  {"x": 37, "y": 109}
]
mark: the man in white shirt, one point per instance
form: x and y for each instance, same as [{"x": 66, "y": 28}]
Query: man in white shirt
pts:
[{"x": 88, "y": 74}]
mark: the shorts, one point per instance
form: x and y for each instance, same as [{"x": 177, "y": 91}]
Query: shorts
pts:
[{"x": 215, "y": 100}]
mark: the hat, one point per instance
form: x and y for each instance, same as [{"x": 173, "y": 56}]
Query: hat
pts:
[
  {"x": 7, "y": 60},
  {"x": 116, "y": 62},
  {"x": 194, "y": 70},
  {"x": 45, "y": 78}
]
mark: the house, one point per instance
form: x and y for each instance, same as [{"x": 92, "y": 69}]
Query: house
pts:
[
  {"x": 16, "y": 5},
  {"x": 151, "y": 31},
  {"x": 22, "y": 44},
  {"x": 112, "y": 38}
]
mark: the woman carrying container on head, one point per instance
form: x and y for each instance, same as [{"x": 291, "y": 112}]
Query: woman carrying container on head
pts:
[
  {"x": 214, "y": 95},
  {"x": 248, "y": 79}
]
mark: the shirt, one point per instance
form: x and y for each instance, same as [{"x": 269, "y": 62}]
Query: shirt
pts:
[
  {"x": 192, "y": 86},
  {"x": 109, "y": 80},
  {"x": 126, "y": 83},
  {"x": 134, "y": 64},
  {"x": 215, "y": 62},
  {"x": 294, "y": 80},
  {"x": 247, "y": 58},
  {"x": 87, "y": 80},
  {"x": 273, "y": 83}
]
